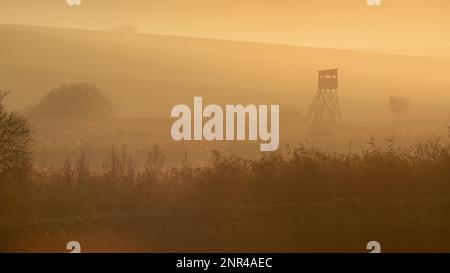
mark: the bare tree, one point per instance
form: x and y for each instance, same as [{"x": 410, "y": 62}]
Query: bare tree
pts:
[
  {"x": 15, "y": 138},
  {"x": 3, "y": 94},
  {"x": 398, "y": 105}
]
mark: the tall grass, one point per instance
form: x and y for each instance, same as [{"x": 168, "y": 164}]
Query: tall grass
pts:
[{"x": 302, "y": 174}]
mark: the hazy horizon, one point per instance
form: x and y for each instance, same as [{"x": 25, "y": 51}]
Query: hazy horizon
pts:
[
  {"x": 398, "y": 49},
  {"x": 411, "y": 27}
]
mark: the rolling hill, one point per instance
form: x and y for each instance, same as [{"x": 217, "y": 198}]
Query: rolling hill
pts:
[{"x": 147, "y": 74}]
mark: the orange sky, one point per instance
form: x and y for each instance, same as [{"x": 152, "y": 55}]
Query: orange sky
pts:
[{"x": 324, "y": 23}]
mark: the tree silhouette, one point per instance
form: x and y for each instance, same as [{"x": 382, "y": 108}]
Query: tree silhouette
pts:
[
  {"x": 398, "y": 105},
  {"x": 74, "y": 100},
  {"x": 15, "y": 138}
]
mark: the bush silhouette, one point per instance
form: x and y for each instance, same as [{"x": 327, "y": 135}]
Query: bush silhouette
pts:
[
  {"x": 15, "y": 138},
  {"x": 74, "y": 100}
]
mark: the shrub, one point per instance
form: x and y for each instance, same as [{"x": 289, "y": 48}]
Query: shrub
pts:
[
  {"x": 15, "y": 138},
  {"x": 74, "y": 100}
]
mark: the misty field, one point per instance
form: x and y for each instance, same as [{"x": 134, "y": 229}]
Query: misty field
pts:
[
  {"x": 71, "y": 170},
  {"x": 300, "y": 199},
  {"x": 86, "y": 152}
]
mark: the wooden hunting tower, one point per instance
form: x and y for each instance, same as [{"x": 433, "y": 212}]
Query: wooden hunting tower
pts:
[{"x": 325, "y": 106}]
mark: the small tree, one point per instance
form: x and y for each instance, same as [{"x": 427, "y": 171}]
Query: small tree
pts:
[
  {"x": 398, "y": 105},
  {"x": 74, "y": 100},
  {"x": 15, "y": 139}
]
